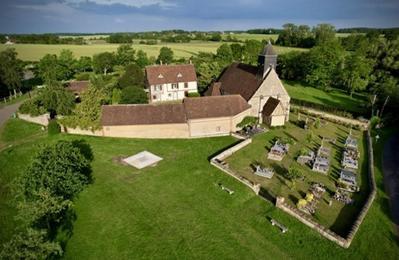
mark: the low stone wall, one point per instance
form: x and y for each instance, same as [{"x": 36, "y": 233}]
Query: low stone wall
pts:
[
  {"x": 307, "y": 220},
  {"x": 78, "y": 131},
  {"x": 41, "y": 120},
  {"x": 327, "y": 116},
  {"x": 216, "y": 161}
]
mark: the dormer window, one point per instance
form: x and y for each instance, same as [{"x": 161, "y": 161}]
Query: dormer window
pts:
[
  {"x": 160, "y": 76},
  {"x": 179, "y": 75}
]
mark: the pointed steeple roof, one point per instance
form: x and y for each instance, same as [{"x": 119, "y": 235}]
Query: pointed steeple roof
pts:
[{"x": 268, "y": 50}]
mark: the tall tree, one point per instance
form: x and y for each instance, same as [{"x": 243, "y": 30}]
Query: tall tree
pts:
[
  {"x": 237, "y": 51},
  {"x": 356, "y": 72},
  {"x": 10, "y": 70},
  {"x": 48, "y": 68},
  {"x": 56, "y": 99},
  {"x": 224, "y": 54},
  {"x": 133, "y": 76},
  {"x": 125, "y": 55},
  {"x": 165, "y": 55},
  {"x": 103, "y": 62},
  {"x": 142, "y": 59},
  {"x": 83, "y": 64},
  {"x": 252, "y": 48},
  {"x": 133, "y": 95},
  {"x": 66, "y": 64},
  {"x": 324, "y": 33}
]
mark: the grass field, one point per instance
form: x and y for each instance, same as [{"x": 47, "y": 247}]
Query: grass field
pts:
[
  {"x": 337, "y": 217},
  {"x": 334, "y": 98},
  {"x": 34, "y": 52},
  {"x": 175, "y": 210}
]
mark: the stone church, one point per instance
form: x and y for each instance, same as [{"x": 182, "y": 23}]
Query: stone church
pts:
[{"x": 259, "y": 85}]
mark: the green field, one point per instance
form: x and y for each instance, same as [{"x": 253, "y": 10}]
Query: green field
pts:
[
  {"x": 248, "y": 36},
  {"x": 334, "y": 98},
  {"x": 34, "y": 52},
  {"x": 176, "y": 210},
  {"x": 338, "y": 217}
]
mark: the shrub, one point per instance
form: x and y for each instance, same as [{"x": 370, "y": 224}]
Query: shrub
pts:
[
  {"x": 248, "y": 121},
  {"x": 83, "y": 76},
  {"x": 32, "y": 107},
  {"x": 53, "y": 127},
  {"x": 374, "y": 121},
  {"x": 193, "y": 94}
]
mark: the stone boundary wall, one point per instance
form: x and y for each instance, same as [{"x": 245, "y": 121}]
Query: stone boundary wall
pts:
[
  {"x": 293, "y": 211},
  {"x": 305, "y": 219},
  {"x": 41, "y": 120},
  {"x": 216, "y": 161},
  {"x": 330, "y": 116},
  {"x": 78, "y": 131}
]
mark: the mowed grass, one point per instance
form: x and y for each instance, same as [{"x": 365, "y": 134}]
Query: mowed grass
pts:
[
  {"x": 34, "y": 52},
  {"x": 176, "y": 210},
  {"x": 337, "y": 217},
  {"x": 335, "y": 98}
]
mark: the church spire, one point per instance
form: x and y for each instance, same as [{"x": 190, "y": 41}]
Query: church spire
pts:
[{"x": 267, "y": 59}]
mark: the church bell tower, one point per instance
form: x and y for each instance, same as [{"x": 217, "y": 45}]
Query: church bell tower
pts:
[{"x": 267, "y": 59}]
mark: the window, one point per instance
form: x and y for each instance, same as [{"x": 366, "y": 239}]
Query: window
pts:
[
  {"x": 169, "y": 95},
  {"x": 179, "y": 75},
  {"x": 158, "y": 88},
  {"x": 175, "y": 86},
  {"x": 185, "y": 84},
  {"x": 154, "y": 97},
  {"x": 160, "y": 76},
  {"x": 218, "y": 129}
]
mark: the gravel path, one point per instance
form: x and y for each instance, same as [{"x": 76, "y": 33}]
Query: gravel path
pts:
[
  {"x": 7, "y": 111},
  {"x": 391, "y": 176}
]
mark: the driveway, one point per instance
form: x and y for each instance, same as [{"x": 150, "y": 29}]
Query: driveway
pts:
[
  {"x": 391, "y": 176},
  {"x": 7, "y": 111}
]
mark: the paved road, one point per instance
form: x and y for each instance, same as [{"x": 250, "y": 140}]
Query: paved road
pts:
[
  {"x": 7, "y": 111},
  {"x": 391, "y": 176}
]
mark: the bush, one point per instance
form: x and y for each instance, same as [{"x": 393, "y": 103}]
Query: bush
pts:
[
  {"x": 83, "y": 76},
  {"x": 53, "y": 128},
  {"x": 248, "y": 121},
  {"x": 193, "y": 94},
  {"x": 32, "y": 107}
]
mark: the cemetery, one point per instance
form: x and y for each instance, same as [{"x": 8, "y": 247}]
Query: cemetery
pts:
[{"x": 330, "y": 183}]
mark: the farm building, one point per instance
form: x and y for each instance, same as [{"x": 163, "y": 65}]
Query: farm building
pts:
[{"x": 194, "y": 117}]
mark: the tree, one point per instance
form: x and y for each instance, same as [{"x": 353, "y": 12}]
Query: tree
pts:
[
  {"x": 142, "y": 59},
  {"x": 48, "y": 68},
  {"x": 10, "y": 70},
  {"x": 224, "y": 54},
  {"x": 323, "y": 64},
  {"x": 292, "y": 65},
  {"x": 165, "y": 55},
  {"x": 66, "y": 64},
  {"x": 125, "y": 55},
  {"x": 116, "y": 96},
  {"x": 356, "y": 72},
  {"x": 324, "y": 33},
  {"x": 103, "y": 62},
  {"x": 87, "y": 113},
  {"x": 133, "y": 76},
  {"x": 237, "y": 51},
  {"x": 133, "y": 95},
  {"x": 56, "y": 99},
  {"x": 207, "y": 72},
  {"x": 60, "y": 170},
  {"x": 83, "y": 64},
  {"x": 252, "y": 48},
  {"x": 31, "y": 244}
]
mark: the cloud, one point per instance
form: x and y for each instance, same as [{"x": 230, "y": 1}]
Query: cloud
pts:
[{"x": 130, "y": 3}]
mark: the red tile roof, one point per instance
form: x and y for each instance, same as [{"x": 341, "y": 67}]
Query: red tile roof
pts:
[
  {"x": 214, "y": 89},
  {"x": 163, "y": 74},
  {"x": 191, "y": 108},
  {"x": 216, "y": 106},
  {"x": 78, "y": 86}
]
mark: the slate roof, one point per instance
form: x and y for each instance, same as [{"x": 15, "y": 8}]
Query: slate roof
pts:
[
  {"x": 163, "y": 74},
  {"x": 190, "y": 108},
  {"x": 241, "y": 79},
  {"x": 270, "y": 105},
  {"x": 268, "y": 50}
]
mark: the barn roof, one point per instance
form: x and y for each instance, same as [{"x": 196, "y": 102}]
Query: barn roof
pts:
[{"x": 270, "y": 106}]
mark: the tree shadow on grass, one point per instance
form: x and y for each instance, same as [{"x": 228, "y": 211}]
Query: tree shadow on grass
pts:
[{"x": 65, "y": 230}]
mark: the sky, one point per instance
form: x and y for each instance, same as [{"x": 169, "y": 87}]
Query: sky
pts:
[{"x": 95, "y": 16}]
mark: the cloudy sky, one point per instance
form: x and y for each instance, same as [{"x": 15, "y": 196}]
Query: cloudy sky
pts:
[{"x": 38, "y": 16}]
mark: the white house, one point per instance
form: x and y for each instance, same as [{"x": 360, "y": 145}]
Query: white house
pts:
[{"x": 170, "y": 82}]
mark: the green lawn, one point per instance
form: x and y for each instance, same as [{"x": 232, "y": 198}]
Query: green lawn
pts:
[
  {"x": 334, "y": 98},
  {"x": 338, "y": 217},
  {"x": 175, "y": 210},
  {"x": 34, "y": 52}
]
